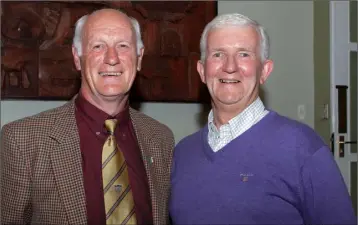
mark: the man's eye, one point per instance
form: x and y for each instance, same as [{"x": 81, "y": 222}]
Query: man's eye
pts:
[
  {"x": 244, "y": 54},
  {"x": 97, "y": 47},
  {"x": 123, "y": 46},
  {"x": 217, "y": 54}
]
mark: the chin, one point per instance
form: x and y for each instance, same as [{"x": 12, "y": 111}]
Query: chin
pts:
[
  {"x": 229, "y": 100},
  {"x": 111, "y": 94},
  {"x": 113, "y": 91}
]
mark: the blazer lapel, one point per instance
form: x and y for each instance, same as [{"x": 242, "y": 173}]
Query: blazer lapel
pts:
[{"x": 67, "y": 164}]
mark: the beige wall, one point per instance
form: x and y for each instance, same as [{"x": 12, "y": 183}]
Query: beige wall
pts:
[{"x": 321, "y": 67}]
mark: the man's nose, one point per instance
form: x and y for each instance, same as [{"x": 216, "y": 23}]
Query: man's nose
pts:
[
  {"x": 230, "y": 64},
  {"x": 111, "y": 57}
]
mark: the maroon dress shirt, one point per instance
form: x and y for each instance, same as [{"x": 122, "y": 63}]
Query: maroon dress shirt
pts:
[{"x": 90, "y": 123}]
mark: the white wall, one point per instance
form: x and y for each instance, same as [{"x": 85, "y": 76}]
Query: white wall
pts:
[{"x": 290, "y": 26}]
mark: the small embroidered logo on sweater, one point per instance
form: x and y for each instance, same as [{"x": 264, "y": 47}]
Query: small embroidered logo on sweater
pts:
[{"x": 245, "y": 176}]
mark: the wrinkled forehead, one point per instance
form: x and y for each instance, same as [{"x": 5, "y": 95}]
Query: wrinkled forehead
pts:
[
  {"x": 233, "y": 35},
  {"x": 109, "y": 22}
]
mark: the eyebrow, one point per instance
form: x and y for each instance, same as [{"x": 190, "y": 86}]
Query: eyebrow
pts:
[{"x": 237, "y": 49}]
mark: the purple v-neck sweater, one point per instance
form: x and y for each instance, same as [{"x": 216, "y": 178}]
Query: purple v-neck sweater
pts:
[{"x": 277, "y": 172}]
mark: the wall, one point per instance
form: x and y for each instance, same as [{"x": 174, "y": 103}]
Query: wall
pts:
[
  {"x": 321, "y": 67},
  {"x": 182, "y": 118},
  {"x": 290, "y": 26}
]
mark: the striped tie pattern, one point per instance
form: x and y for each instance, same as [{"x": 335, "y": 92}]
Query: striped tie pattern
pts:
[{"x": 118, "y": 196}]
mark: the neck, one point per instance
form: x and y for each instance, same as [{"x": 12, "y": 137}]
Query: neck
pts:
[
  {"x": 224, "y": 113},
  {"x": 111, "y": 105}
]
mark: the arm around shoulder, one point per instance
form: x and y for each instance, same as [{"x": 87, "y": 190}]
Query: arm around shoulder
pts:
[{"x": 14, "y": 180}]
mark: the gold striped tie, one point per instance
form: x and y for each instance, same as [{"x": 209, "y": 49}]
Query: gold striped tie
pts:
[{"x": 118, "y": 196}]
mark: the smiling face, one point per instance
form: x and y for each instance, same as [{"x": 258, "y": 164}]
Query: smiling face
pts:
[
  {"x": 109, "y": 62},
  {"x": 232, "y": 69}
]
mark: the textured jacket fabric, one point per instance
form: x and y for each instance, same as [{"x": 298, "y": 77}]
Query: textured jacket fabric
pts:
[{"x": 41, "y": 170}]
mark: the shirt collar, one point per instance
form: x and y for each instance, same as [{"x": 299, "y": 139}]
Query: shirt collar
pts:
[
  {"x": 249, "y": 114},
  {"x": 96, "y": 116}
]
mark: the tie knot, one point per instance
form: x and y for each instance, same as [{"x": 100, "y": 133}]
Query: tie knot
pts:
[{"x": 110, "y": 125}]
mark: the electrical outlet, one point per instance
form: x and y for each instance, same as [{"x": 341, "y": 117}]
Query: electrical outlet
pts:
[{"x": 301, "y": 112}]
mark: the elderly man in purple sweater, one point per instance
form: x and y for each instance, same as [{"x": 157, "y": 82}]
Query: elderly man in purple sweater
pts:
[{"x": 250, "y": 165}]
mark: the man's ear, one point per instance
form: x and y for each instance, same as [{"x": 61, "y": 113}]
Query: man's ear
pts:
[
  {"x": 140, "y": 57},
  {"x": 201, "y": 70},
  {"x": 266, "y": 70},
  {"x": 76, "y": 58}
]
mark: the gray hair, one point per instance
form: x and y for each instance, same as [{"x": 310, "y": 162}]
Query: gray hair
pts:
[
  {"x": 77, "y": 39},
  {"x": 235, "y": 19}
]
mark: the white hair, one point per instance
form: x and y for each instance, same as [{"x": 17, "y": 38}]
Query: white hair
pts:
[
  {"x": 235, "y": 19},
  {"x": 77, "y": 39}
]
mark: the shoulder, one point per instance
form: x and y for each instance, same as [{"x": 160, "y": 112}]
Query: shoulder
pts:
[
  {"x": 37, "y": 123},
  {"x": 191, "y": 140},
  {"x": 295, "y": 134},
  {"x": 149, "y": 124},
  {"x": 291, "y": 126},
  {"x": 196, "y": 136}
]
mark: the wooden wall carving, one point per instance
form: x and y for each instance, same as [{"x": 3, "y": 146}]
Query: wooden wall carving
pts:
[{"x": 36, "y": 38}]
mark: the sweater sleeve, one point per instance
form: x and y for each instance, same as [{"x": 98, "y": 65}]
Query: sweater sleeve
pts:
[{"x": 325, "y": 196}]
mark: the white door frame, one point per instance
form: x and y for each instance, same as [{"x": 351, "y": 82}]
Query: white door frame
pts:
[{"x": 340, "y": 48}]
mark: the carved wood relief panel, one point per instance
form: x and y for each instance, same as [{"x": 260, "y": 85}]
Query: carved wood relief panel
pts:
[{"x": 36, "y": 58}]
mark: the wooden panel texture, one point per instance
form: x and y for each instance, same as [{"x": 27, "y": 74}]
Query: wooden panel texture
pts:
[{"x": 36, "y": 38}]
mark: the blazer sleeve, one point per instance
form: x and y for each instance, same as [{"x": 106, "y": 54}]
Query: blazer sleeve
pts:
[{"x": 14, "y": 180}]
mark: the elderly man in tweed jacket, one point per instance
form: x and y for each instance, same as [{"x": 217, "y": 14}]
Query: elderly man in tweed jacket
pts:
[{"x": 51, "y": 168}]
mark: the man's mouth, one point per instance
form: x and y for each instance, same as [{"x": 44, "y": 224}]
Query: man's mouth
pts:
[
  {"x": 225, "y": 81},
  {"x": 110, "y": 74}
]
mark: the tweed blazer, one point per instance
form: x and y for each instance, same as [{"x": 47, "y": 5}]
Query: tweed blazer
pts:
[{"x": 41, "y": 170}]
